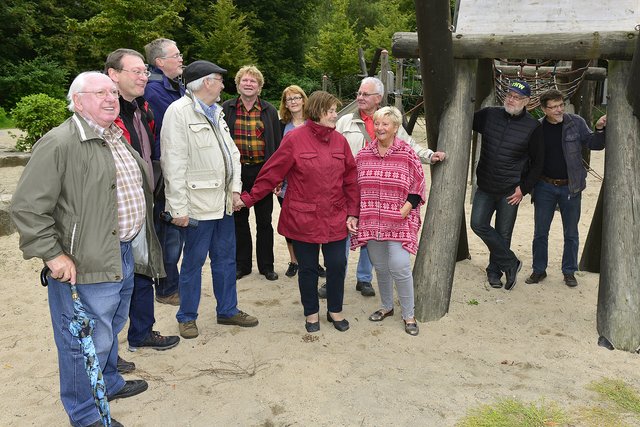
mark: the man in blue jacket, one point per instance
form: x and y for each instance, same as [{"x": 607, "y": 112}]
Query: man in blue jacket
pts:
[
  {"x": 561, "y": 182},
  {"x": 163, "y": 88}
]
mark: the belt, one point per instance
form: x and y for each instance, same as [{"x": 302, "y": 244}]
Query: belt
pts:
[{"x": 556, "y": 182}]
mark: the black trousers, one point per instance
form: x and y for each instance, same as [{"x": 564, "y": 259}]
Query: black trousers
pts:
[
  {"x": 335, "y": 260},
  {"x": 264, "y": 230}
]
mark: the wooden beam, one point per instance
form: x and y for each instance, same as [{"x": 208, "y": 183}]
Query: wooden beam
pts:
[
  {"x": 591, "y": 73},
  {"x": 633, "y": 86},
  {"x": 435, "y": 262},
  {"x": 618, "y": 318},
  {"x": 607, "y": 45}
]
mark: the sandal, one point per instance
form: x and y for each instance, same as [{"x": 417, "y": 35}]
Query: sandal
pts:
[
  {"x": 411, "y": 328},
  {"x": 380, "y": 315}
]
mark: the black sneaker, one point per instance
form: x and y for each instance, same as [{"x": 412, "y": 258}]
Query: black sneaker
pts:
[
  {"x": 570, "y": 280},
  {"x": 495, "y": 280},
  {"x": 125, "y": 367},
  {"x": 321, "y": 271},
  {"x": 322, "y": 291},
  {"x": 535, "y": 277},
  {"x": 157, "y": 342},
  {"x": 131, "y": 388},
  {"x": 512, "y": 275},
  {"x": 365, "y": 289},
  {"x": 292, "y": 270}
]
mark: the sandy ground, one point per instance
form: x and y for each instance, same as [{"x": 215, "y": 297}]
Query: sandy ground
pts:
[{"x": 537, "y": 341}]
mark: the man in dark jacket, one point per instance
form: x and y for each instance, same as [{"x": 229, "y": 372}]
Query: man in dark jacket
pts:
[
  {"x": 163, "y": 88},
  {"x": 561, "y": 183},
  {"x": 255, "y": 128},
  {"x": 128, "y": 71},
  {"x": 510, "y": 163}
]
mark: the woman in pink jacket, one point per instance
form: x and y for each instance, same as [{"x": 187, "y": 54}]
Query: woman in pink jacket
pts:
[
  {"x": 321, "y": 203},
  {"x": 392, "y": 189}
]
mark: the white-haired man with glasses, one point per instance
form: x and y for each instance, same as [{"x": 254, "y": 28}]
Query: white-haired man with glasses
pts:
[
  {"x": 358, "y": 129},
  {"x": 83, "y": 203},
  {"x": 163, "y": 88}
]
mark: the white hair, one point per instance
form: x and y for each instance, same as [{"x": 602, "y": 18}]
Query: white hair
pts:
[
  {"x": 78, "y": 85},
  {"x": 196, "y": 85},
  {"x": 377, "y": 84}
]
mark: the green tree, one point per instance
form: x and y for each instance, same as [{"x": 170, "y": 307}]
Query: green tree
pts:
[
  {"x": 125, "y": 23},
  {"x": 336, "y": 51},
  {"x": 224, "y": 38},
  {"x": 381, "y": 34},
  {"x": 39, "y": 75}
]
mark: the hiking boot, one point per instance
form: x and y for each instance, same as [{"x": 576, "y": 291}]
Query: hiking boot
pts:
[
  {"x": 495, "y": 280},
  {"x": 512, "y": 275},
  {"x": 239, "y": 319},
  {"x": 570, "y": 280},
  {"x": 157, "y": 342},
  {"x": 173, "y": 299},
  {"x": 125, "y": 367},
  {"x": 130, "y": 388},
  {"x": 322, "y": 291},
  {"x": 188, "y": 329},
  {"x": 292, "y": 270},
  {"x": 365, "y": 289},
  {"x": 535, "y": 277}
]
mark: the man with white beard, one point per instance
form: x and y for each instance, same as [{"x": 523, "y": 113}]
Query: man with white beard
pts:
[{"x": 511, "y": 160}]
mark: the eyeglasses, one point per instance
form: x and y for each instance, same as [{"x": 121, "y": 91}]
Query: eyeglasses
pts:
[
  {"x": 102, "y": 94},
  {"x": 220, "y": 79},
  {"x": 176, "y": 56},
  {"x": 554, "y": 107},
  {"x": 365, "y": 94},
  {"x": 138, "y": 73},
  {"x": 514, "y": 96},
  {"x": 296, "y": 98}
]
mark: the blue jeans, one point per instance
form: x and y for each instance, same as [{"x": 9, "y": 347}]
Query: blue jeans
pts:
[
  {"x": 364, "y": 271},
  {"x": 336, "y": 263},
  {"x": 108, "y": 304},
  {"x": 217, "y": 239},
  {"x": 171, "y": 241},
  {"x": 497, "y": 239},
  {"x": 547, "y": 196},
  {"x": 141, "y": 311}
]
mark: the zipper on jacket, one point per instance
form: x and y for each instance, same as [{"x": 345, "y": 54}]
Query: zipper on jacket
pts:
[{"x": 73, "y": 238}]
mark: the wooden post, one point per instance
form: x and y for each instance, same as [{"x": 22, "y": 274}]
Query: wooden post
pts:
[
  {"x": 384, "y": 75},
  {"x": 619, "y": 290},
  {"x": 435, "y": 263},
  {"x": 592, "y": 252},
  {"x": 633, "y": 87},
  {"x": 325, "y": 82},
  {"x": 398, "y": 86}
]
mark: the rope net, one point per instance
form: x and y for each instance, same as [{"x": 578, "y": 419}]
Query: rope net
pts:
[{"x": 566, "y": 82}]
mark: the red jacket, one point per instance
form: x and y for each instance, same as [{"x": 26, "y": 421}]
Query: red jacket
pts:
[{"x": 322, "y": 188}]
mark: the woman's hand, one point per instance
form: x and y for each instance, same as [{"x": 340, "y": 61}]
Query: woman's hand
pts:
[
  {"x": 352, "y": 224},
  {"x": 405, "y": 209}
]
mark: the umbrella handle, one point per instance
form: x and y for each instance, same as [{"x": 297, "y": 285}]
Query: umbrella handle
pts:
[{"x": 44, "y": 281}]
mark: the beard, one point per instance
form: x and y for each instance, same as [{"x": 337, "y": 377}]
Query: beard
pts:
[{"x": 514, "y": 111}]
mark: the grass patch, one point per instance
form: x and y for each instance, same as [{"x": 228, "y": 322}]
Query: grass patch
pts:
[
  {"x": 598, "y": 416},
  {"x": 5, "y": 121},
  {"x": 514, "y": 413},
  {"x": 618, "y": 392}
]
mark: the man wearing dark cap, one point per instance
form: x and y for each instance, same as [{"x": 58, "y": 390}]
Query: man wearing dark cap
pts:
[
  {"x": 201, "y": 167},
  {"x": 510, "y": 163}
]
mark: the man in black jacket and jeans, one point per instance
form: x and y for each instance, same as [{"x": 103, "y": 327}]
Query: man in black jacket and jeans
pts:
[{"x": 510, "y": 163}]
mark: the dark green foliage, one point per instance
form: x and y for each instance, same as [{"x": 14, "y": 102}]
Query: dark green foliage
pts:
[
  {"x": 36, "y": 115},
  {"x": 39, "y": 75}
]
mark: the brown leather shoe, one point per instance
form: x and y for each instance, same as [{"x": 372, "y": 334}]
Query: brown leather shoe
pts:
[
  {"x": 173, "y": 299},
  {"x": 570, "y": 280},
  {"x": 239, "y": 319}
]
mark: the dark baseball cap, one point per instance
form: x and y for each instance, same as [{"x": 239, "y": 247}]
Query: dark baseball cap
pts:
[
  {"x": 198, "y": 69},
  {"x": 520, "y": 87}
]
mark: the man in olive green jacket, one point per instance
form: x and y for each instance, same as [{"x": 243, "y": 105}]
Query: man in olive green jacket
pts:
[{"x": 83, "y": 205}]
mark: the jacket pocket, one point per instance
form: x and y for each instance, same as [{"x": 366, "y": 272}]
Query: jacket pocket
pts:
[
  {"x": 302, "y": 215},
  {"x": 205, "y": 195},
  {"x": 202, "y": 134},
  {"x": 308, "y": 155}
]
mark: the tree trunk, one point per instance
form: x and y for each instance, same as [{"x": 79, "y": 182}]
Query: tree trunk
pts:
[
  {"x": 435, "y": 263},
  {"x": 591, "y": 254},
  {"x": 619, "y": 292}
]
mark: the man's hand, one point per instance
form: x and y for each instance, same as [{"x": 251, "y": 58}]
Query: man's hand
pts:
[
  {"x": 278, "y": 189},
  {"x": 352, "y": 224},
  {"x": 438, "y": 156},
  {"x": 237, "y": 202},
  {"x": 63, "y": 269},
  {"x": 181, "y": 221},
  {"x": 516, "y": 197},
  {"x": 601, "y": 123}
]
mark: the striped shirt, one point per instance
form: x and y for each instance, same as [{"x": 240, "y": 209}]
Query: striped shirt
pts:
[
  {"x": 129, "y": 192},
  {"x": 248, "y": 133}
]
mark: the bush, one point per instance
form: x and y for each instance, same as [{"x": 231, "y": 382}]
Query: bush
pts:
[
  {"x": 5, "y": 122},
  {"x": 36, "y": 115}
]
